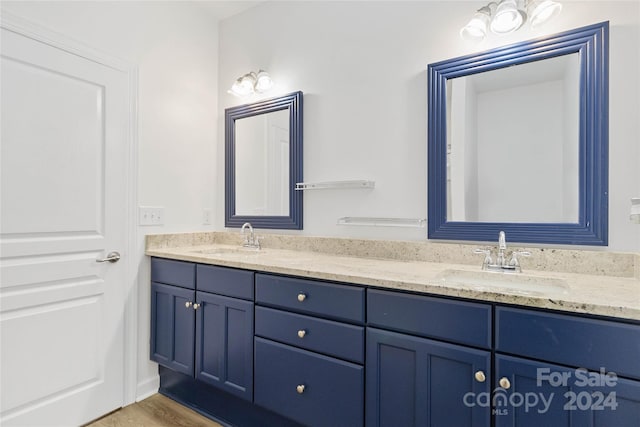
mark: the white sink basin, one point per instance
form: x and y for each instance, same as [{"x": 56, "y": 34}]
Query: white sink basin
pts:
[{"x": 518, "y": 283}]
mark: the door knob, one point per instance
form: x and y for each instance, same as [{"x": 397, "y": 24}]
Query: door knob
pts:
[
  {"x": 111, "y": 257},
  {"x": 480, "y": 377},
  {"x": 302, "y": 333},
  {"x": 300, "y": 388},
  {"x": 302, "y": 297}
]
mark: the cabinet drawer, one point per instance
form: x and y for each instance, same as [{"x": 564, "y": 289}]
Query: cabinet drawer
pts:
[
  {"x": 570, "y": 340},
  {"x": 170, "y": 272},
  {"x": 333, "y": 393},
  {"x": 309, "y": 296},
  {"x": 455, "y": 321},
  {"x": 225, "y": 281},
  {"x": 311, "y": 333}
]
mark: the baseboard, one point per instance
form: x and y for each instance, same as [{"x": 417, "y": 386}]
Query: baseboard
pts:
[{"x": 147, "y": 387}]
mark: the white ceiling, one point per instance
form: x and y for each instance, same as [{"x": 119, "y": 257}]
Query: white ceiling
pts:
[{"x": 219, "y": 9}]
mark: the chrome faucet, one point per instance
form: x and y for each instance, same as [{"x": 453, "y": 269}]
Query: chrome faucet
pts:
[
  {"x": 502, "y": 247},
  {"x": 501, "y": 263},
  {"x": 250, "y": 241}
]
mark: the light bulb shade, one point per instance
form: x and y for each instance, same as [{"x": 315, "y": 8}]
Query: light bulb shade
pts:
[
  {"x": 244, "y": 85},
  {"x": 263, "y": 82},
  {"x": 476, "y": 29},
  {"x": 507, "y": 17},
  {"x": 541, "y": 11}
]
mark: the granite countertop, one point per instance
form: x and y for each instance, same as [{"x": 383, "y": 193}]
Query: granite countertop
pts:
[{"x": 603, "y": 295}]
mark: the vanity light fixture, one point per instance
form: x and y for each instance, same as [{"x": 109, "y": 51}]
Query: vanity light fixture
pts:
[
  {"x": 507, "y": 16},
  {"x": 251, "y": 83}
]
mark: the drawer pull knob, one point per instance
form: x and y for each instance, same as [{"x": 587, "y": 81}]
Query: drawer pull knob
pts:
[
  {"x": 504, "y": 383},
  {"x": 480, "y": 377},
  {"x": 300, "y": 389},
  {"x": 302, "y": 333},
  {"x": 302, "y": 297},
  {"x": 188, "y": 304},
  {"x": 196, "y": 306}
]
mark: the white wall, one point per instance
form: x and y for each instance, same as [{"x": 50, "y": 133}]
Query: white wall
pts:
[
  {"x": 174, "y": 45},
  {"x": 362, "y": 67}
]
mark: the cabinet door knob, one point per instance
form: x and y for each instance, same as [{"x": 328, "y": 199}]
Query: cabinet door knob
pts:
[
  {"x": 188, "y": 304},
  {"x": 504, "y": 383},
  {"x": 300, "y": 389},
  {"x": 480, "y": 377},
  {"x": 302, "y": 297},
  {"x": 196, "y": 306},
  {"x": 302, "y": 333}
]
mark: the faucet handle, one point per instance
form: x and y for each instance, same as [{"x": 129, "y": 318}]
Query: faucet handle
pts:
[
  {"x": 487, "y": 256},
  {"x": 514, "y": 262}
]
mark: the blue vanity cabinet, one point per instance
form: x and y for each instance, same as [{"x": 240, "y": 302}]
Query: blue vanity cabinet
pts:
[
  {"x": 563, "y": 370},
  {"x": 309, "y": 350},
  {"x": 419, "y": 381},
  {"x": 202, "y": 323},
  {"x": 172, "y": 325},
  {"x": 172, "y": 315}
]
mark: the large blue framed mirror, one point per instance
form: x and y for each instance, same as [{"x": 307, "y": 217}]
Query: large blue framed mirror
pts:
[
  {"x": 518, "y": 142},
  {"x": 263, "y": 163}
]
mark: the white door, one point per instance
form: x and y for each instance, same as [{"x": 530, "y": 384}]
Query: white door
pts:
[{"x": 64, "y": 141}]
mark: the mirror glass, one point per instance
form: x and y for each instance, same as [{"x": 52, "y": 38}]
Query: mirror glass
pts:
[
  {"x": 518, "y": 142},
  {"x": 496, "y": 153},
  {"x": 263, "y": 163}
]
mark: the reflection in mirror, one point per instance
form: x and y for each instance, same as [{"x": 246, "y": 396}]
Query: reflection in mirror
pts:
[
  {"x": 263, "y": 163},
  {"x": 518, "y": 141},
  {"x": 522, "y": 163}
]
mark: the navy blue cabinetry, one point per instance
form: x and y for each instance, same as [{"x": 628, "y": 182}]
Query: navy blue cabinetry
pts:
[
  {"x": 419, "y": 380},
  {"x": 586, "y": 372},
  {"x": 172, "y": 325},
  {"x": 542, "y": 394},
  {"x": 307, "y": 387},
  {"x": 224, "y": 343},
  {"x": 205, "y": 335},
  {"x": 308, "y": 360},
  {"x": 299, "y": 356}
]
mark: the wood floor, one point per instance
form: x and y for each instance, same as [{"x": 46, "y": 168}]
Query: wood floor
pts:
[{"x": 155, "y": 411}]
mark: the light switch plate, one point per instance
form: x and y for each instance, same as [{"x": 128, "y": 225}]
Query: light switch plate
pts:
[
  {"x": 206, "y": 216},
  {"x": 149, "y": 215}
]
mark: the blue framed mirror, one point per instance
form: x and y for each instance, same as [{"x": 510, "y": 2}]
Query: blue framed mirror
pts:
[
  {"x": 518, "y": 142},
  {"x": 263, "y": 163}
]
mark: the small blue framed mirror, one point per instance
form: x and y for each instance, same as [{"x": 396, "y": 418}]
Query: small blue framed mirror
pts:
[
  {"x": 263, "y": 163},
  {"x": 518, "y": 142}
]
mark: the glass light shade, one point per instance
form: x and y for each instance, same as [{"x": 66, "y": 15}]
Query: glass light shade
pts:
[
  {"x": 507, "y": 18},
  {"x": 476, "y": 29},
  {"x": 540, "y": 11},
  {"x": 244, "y": 85},
  {"x": 263, "y": 82}
]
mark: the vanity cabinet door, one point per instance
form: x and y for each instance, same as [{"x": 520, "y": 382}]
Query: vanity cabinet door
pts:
[
  {"x": 413, "y": 381},
  {"x": 224, "y": 343},
  {"x": 172, "y": 327},
  {"x": 542, "y": 394}
]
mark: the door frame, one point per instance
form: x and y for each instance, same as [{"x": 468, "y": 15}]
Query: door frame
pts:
[{"x": 57, "y": 40}]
